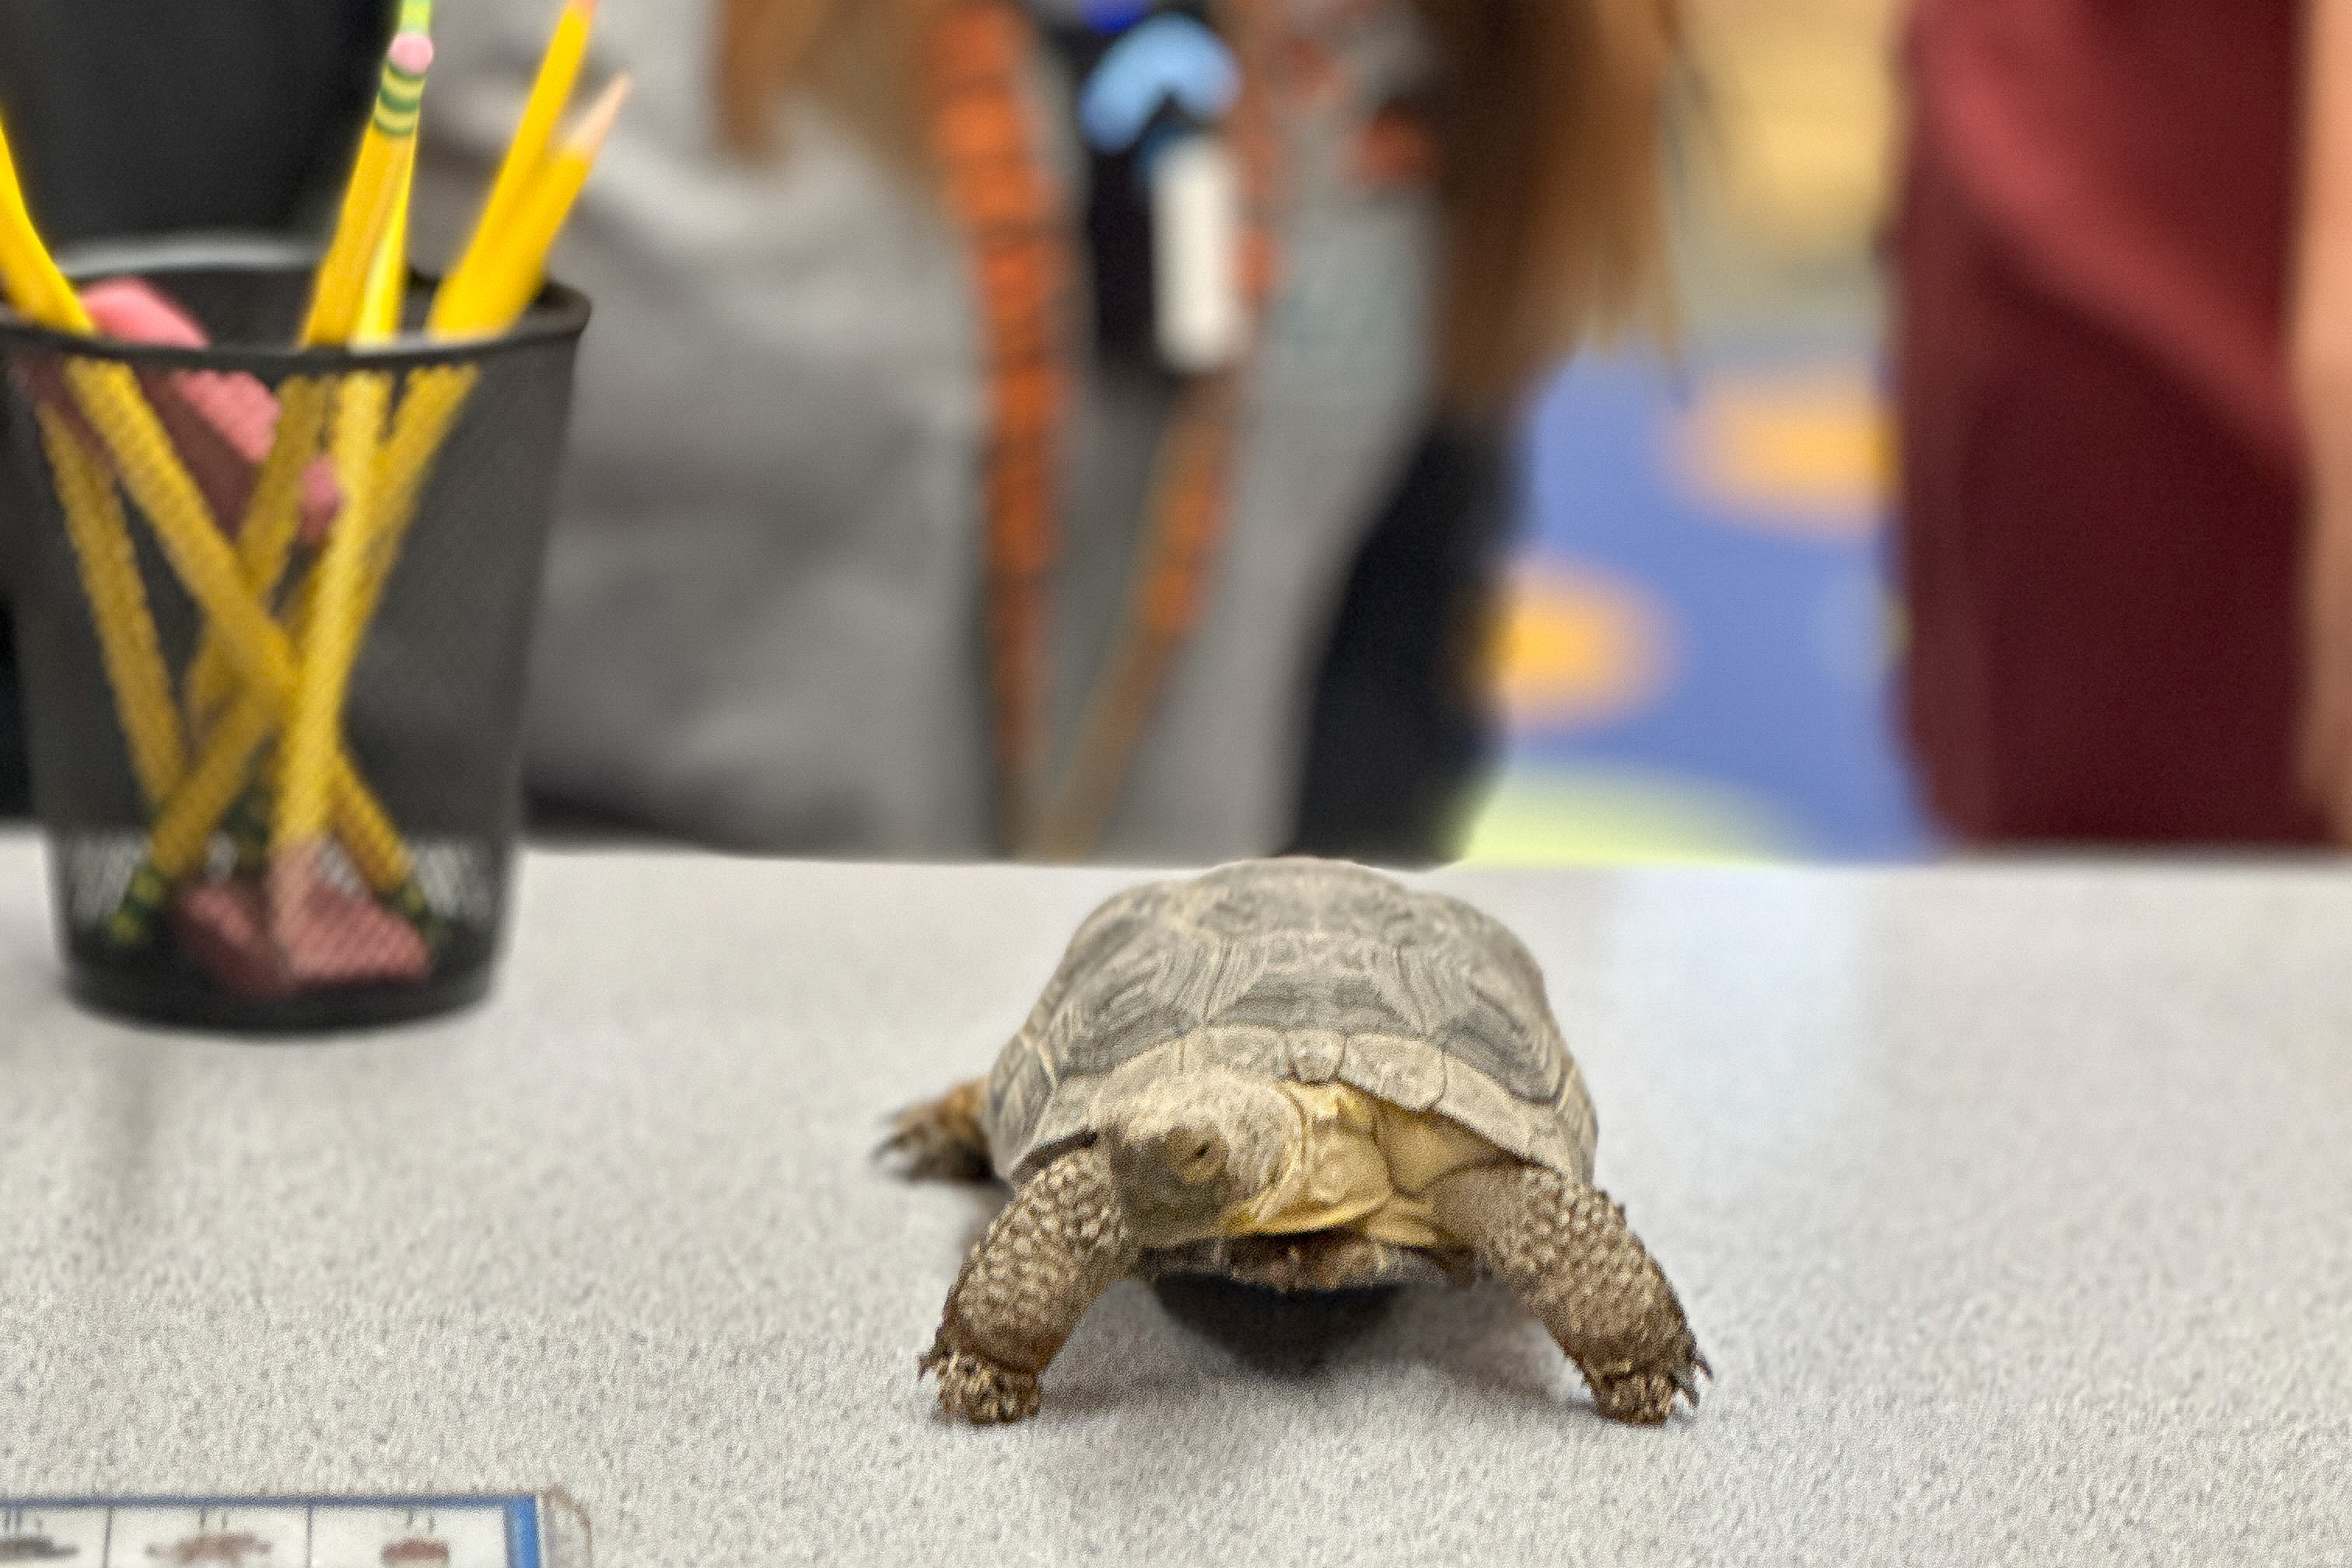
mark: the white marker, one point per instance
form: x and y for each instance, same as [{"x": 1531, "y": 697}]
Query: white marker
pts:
[{"x": 1196, "y": 228}]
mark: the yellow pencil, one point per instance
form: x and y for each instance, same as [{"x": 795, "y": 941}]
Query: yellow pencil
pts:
[
  {"x": 365, "y": 396},
  {"x": 151, "y": 469},
  {"x": 386, "y": 148},
  {"x": 559, "y": 70},
  {"x": 374, "y": 204},
  {"x": 507, "y": 275},
  {"x": 437, "y": 397},
  {"x": 273, "y": 519},
  {"x": 387, "y": 280},
  {"x": 34, "y": 285},
  {"x": 93, "y": 513},
  {"x": 331, "y": 625},
  {"x": 118, "y": 604},
  {"x": 429, "y": 412}
]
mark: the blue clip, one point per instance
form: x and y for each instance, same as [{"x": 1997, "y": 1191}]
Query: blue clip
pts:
[{"x": 1168, "y": 58}]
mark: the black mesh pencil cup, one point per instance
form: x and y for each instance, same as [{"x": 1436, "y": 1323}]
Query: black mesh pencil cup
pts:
[{"x": 273, "y": 613}]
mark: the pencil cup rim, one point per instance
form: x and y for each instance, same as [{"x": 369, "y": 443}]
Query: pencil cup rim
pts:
[{"x": 559, "y": 315}]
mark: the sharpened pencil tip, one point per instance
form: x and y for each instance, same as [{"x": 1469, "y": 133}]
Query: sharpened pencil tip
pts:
[{"x": 588, "y": 134}]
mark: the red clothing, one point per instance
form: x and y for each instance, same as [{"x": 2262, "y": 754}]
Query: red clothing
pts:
[{"x": 2101, "y": 492}]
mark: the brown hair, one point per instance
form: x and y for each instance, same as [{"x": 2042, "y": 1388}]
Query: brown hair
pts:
[{"x": 1549, "y": 124}]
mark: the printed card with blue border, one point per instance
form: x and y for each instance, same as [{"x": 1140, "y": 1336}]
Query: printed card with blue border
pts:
[{"x": 487, "y": 1532}]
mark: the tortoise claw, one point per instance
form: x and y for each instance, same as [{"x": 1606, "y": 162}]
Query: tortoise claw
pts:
[
  {"x": 974, "y": 1388},
  {"x": 1685, "y": 1378},
  {"x": 1642, "y": 1392}
]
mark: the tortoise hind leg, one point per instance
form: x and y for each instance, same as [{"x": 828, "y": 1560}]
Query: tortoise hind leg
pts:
[
  {"x": 1563, "y": 1247},
  {"x": 942, "y": 1138},
  {"x": 1046, "y": 1260}
]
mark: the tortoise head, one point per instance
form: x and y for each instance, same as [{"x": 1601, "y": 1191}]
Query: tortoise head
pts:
[{"x": 1192, "y": 1144}]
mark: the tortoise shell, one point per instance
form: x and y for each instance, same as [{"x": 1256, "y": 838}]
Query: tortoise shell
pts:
[{"x": 1313, "y": 970}]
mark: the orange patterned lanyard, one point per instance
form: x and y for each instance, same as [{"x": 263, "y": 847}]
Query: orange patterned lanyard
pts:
[{"x": 1000, "y": 186}]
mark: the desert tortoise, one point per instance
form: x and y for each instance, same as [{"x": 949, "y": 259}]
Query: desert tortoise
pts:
[{"x": 1299, "y": 1074}]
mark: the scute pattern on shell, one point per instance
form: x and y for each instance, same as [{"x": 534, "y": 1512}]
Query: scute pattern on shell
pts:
[{"x": 1314, "y": 970}]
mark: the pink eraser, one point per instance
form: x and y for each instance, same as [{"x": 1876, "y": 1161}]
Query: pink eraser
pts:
[
  {"x": 411, "y": 54},
  {"x": 224, "y": 926},
  {"x": 222, "y": 421},
  {"x": 242, "y": 412},
  {"x": 323, "y": 497},
  {"x": 132, "y": 310},
  {"x": 329, "y": 937},
  {"x": 237, "y": 406},
  {"x": 220, "y": 471}
]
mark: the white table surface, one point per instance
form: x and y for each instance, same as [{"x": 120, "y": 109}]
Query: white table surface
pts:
[{"x": 2013, "y": 1205}]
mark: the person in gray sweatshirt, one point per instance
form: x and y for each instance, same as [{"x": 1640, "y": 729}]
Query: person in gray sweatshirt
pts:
[{"x": 829, "y": 577}]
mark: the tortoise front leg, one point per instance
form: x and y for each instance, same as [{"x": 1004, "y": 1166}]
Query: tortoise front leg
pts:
[
  {"x": 1563, "y": 1247},
  {"x": 1056, "y": 1248}
]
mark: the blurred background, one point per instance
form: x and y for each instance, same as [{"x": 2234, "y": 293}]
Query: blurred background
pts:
[
  {"x": 861, "y": 550},
  {"x": 1697, "y": 656}
]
